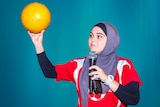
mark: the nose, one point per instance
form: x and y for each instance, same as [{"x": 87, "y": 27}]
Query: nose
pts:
[{"x": 93, "y": 38}]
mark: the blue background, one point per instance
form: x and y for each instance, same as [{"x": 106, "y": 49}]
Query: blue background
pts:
[{"x": 22, "y": 83}]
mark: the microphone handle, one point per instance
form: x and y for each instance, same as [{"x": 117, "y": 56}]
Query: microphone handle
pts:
[
  {"x": 94, "y": 85},
  {"x": 92, "y": 61}
]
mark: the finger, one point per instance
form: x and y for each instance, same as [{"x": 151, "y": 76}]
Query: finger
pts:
[
  {"x": 95, "y": 77},
  {"x": 93, "y": 73},
  {"x": 94, "y": 67},
  {"x": 42, "y": 31},
  {"x": 41, "y": 34},
  {"x": 29, "y": 33}
]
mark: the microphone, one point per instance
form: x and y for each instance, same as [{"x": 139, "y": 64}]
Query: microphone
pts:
[
  {"x": 94, "y": 85},
  {"x": 92, "y": 58}
]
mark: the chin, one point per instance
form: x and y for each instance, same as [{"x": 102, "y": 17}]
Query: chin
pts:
[{"x": 93, "y": 50}]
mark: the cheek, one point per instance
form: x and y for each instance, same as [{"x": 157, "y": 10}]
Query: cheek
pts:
[
  {"x": 102, "y": 45},
  {"x": 89, "y": 42}
]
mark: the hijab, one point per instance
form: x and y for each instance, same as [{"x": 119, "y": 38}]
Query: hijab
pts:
[{"x": 106, "y": 60}]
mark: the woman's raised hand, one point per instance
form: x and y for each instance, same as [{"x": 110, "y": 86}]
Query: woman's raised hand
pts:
[{"x": 37, "y": 39}]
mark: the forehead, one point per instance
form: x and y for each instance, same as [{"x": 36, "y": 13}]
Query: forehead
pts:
[{"x": 97, "y": 29}]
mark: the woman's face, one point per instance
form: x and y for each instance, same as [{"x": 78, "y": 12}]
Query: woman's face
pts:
[{"x": 97, "y": 40}]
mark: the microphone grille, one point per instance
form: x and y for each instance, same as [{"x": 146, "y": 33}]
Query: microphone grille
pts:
[{"x": 92, "y": 55}]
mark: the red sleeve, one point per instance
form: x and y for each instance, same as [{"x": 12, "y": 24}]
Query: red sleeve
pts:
[
  {"x": 65, "y": 71},
  {"x": 129, "y": 74}
]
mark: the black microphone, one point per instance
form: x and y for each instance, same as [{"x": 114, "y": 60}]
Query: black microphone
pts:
[{"x": 94, "y": 85}]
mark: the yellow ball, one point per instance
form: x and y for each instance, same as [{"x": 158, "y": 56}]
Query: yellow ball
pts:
[{"x": 35, "y": 17}]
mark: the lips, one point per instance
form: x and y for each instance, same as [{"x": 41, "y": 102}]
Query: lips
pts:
[{"x": 93, "y": 44}]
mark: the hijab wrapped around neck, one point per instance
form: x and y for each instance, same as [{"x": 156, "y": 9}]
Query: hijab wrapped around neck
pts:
[{"x": 106, "y": 60}]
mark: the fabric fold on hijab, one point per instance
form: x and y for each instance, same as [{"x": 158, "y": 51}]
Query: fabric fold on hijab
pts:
[{"x": 106, "y": 60}]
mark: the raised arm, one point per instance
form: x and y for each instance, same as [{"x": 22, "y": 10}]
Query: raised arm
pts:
[
  {"x": 45, "y": 64},
  {"x": 37, "y": 39}
]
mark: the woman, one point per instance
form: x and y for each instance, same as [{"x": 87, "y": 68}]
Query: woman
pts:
[{"x": 119, "y": 80}]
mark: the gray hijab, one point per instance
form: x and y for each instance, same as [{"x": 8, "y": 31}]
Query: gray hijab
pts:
[{"x": 106, "y": 60}]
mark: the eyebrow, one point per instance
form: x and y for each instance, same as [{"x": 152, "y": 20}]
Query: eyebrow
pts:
[{"x": 99, "y": 33}]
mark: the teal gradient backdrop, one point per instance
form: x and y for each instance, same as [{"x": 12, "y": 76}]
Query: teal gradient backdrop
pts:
[{"x": 22, "y": 83}]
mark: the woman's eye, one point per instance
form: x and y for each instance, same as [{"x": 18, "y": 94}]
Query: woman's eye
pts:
[
  {"x": 99, "y": 36},
  {"x": 91, "y": 35}
]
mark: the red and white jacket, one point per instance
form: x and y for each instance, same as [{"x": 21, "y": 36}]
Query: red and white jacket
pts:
[{"x": 125, "y": 73}]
